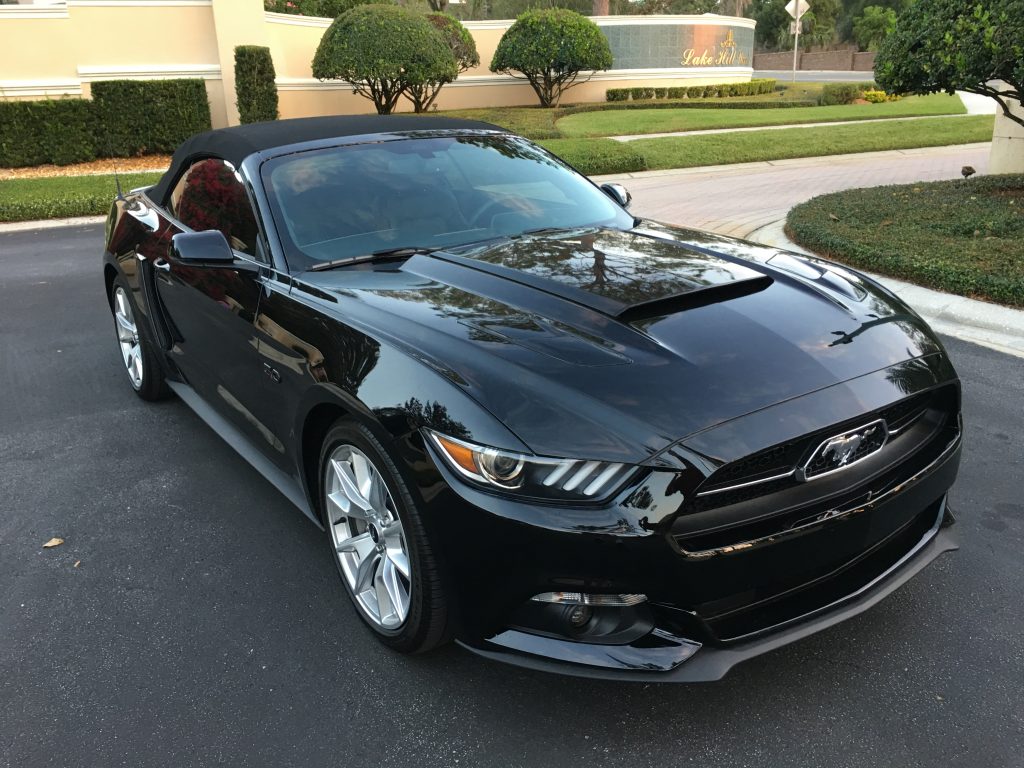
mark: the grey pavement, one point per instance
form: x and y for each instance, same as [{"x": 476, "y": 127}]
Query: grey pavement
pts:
[{"x": 204, "y": 623}]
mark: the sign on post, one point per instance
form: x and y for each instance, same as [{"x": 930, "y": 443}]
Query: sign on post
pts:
[{"x": 796, "y": 9}]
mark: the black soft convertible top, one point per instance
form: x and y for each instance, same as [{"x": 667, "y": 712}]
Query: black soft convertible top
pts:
[{"x": 238, "y": 142}]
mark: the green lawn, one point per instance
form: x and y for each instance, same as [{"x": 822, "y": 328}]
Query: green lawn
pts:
[
  {"x": 966, "y": 237},
  {"x": 717, "y": 149},
  {"x": 64, "y": 196},
  {"x": 620, "y": 123}
]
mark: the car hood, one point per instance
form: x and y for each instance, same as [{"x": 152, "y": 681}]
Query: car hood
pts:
[{"x": 614, "y": 345}]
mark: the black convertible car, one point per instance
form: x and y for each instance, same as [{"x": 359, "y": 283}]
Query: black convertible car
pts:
[{"x": 569, "y": 438}]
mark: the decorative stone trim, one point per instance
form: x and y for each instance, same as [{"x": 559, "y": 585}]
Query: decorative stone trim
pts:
[
  {"x": 56, "y": 11},
  {"x": 91, "y": 73},
  {"x": 40, "y": 87}
]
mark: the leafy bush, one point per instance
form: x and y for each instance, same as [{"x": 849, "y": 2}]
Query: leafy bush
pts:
[
  {"x": 676, "y": 93},
  {"x": 711, "y": 91},
  {"x": 551, "y": 49},
  {"x": 963, "y": 236},
  {"x": 695, "y": 91},
  {"x": 144, "y": 117},
  {"x": 330, "y": 9},
  {"x": 639, "y": 94},
  {"x": 617, "y": 94},
  {"x": 381, "y": 50},
  {"x": 254, "y": 84},
  {"x": 38, "y": 132},
  {"x": 660, "y": 93},
  {"x": 463, "y": 48},
  {"x": 839, "y": 93}
]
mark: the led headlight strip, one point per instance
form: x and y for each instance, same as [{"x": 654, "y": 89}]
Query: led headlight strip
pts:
[{"x": 531, "y": 475}]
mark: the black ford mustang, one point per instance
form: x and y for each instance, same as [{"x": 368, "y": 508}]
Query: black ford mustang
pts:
[{"x": 570, "y": 438}]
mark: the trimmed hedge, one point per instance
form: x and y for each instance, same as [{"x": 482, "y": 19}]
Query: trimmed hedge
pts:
[
  {"x": 146, "y": 117},
  {"x": 962, "y": 236},
  {"x": 254, "y": 84},
  {"x": 123, "y": 119},
  {"x": 38, "y": 132},
  {"x": 754, "y": 88}
]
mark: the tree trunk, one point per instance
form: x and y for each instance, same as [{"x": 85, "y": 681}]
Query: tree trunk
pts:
[{"x": 601, "y": 7}]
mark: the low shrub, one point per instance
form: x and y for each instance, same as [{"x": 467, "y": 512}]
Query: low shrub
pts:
[
  {"x": 839, "y": 93},
  {"x": 254, "y": 84},
  {"x": 962, "y": 236},
  {"x": 641, "y": 93},
  {"x": 617, "y": 94},
  {"x": 711, "y": 91},
  {"x": 660, "y": 93},
  {"x": 695, "y": 91},
  {"x": 879, "y": 97},
  {"x": 677, "y": 93},
  {"x": 136, "y": 117},
  {"x": 37, "y": 132}
]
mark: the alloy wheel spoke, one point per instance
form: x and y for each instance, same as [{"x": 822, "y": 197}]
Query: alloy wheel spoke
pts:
[
  {"x": 394, "y": 589},
  {"x": 365, "y": 573},
  {"x": 362, "y": 546},
  {"x": 349, "y": 486}
]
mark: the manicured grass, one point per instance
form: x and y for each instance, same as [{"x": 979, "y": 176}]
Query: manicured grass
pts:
[
  {"x": 62, "y": 197},
  {"x": 965, "y": 237},
  {"x": 718, "y": 149},
  {"x": 597, "y": 156},
  {"x": 612, "y": 123},
  {"x": 531, "y": 122}
]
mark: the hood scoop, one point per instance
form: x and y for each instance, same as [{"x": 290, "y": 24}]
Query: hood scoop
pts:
[{"x": 622, "y": 275}]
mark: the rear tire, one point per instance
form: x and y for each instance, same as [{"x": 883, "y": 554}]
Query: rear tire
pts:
[
  {"x": 137, "y": 351},
  {"x": 379, "y": 543}
]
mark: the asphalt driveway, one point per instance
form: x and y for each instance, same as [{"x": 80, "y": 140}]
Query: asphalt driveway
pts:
[{"x": 203, "y": 623}]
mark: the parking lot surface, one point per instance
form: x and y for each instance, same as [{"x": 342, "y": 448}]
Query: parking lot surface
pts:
[{"x": 194, "y": 617}]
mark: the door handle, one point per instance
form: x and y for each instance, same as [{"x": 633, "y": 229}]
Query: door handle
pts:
[{"x": 162, "y": 265}]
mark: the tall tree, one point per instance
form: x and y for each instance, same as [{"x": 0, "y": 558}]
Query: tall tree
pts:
[{"x": 957, "y": 45}]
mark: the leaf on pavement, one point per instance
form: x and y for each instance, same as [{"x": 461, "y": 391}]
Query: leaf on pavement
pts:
[
  {"x": 77, "y": 563},
  {"x": 54, "y": 542}
]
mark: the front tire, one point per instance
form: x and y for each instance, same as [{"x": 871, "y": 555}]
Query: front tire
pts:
[
  {"x": 137, "y": 354},
  {"x": 379, "y": 543}
]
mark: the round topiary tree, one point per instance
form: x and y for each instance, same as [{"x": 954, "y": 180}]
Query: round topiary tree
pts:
[
  {"x": 463, "y": 48},
  {"x": 553, "y": 49},
  {"x": 957, "y": 45},
  {"x": 382, "y": 50}
]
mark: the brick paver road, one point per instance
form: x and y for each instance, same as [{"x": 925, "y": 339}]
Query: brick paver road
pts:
[{"x": 740, "y": 199}]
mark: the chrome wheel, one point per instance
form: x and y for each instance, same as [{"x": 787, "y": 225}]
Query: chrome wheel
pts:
[
  {"x": 128, "y": 337},
  {"x": 371, "y": 547}
]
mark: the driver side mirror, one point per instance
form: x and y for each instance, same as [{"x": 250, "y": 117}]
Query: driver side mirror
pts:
[
  {"x": 618, "y": 193},
  {"x": 209, "y": 247}
]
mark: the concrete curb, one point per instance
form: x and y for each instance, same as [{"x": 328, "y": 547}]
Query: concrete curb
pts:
[
  {"x": 990, "y": 325},
  {"x": 25, "y": 226}
]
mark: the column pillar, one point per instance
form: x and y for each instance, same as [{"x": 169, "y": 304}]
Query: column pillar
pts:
[
  {"x": 236, "y": 22},
  {"x": 1007, "y": 153}
]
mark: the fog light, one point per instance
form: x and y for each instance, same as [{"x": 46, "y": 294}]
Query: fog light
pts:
[
  {"x": 582, "y": 598},
  {"x": 579, "y": 615}
]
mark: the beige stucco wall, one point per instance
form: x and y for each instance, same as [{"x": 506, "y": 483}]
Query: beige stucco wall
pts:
[{"x": 58, "y": 50}]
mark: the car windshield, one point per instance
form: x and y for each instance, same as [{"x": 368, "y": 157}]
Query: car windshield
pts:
[{"x": 352, "y": 201}]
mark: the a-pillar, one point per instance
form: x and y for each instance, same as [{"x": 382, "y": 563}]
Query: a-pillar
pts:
[{"x": 237, "y": 22}]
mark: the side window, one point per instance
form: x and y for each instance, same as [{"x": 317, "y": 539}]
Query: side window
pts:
[{"x": 210, "y": 196}]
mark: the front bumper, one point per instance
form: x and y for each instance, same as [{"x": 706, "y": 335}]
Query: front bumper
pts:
[
  {"x": 681, "y": 660},
  {"x": 706, "y": 612}
]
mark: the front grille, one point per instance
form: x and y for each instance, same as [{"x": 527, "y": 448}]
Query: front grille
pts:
[
  {"x": 759, "y": 473},
  {"x": 726, "y": 517}
]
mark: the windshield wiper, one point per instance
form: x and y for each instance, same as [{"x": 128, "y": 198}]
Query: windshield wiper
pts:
[{"x": 384, "y": 253}]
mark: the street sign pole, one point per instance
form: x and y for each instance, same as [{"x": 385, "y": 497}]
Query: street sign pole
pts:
[
  {"x": 796, "y": 9},
  {"x": 796, "y": 40}
]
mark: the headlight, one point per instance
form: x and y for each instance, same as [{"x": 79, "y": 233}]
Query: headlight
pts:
[{"x": 536, "y": 476}]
